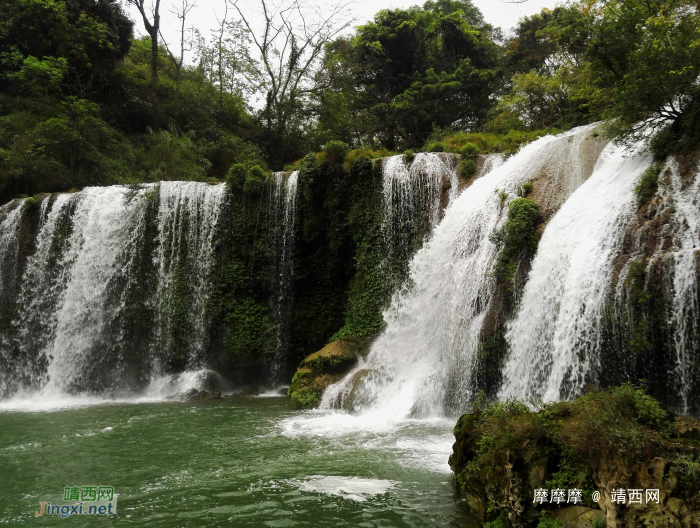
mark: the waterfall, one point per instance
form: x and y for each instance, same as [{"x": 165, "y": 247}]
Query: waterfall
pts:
[
  {"x": 682, "y": 200},
  {"x": 118, "y": 276},
  {"x": 554, "y": 339},
  {"x": 425, "y": 356},
  {"x": 282, "y": 214},
  {"x": 10, "y": 224},
  {"x": 188, "y": 216},
  {"x": 414, "y": 196}
]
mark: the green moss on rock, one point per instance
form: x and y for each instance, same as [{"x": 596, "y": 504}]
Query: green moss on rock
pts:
[
  {"x": 603, "y": 441},
  {"x": 320, "y": 369}
]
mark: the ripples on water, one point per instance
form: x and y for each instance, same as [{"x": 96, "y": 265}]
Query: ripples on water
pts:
[{"x": 238, "y": 462}]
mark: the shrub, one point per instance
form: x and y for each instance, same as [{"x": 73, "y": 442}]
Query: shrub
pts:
[
  {"x": 336, "y": 151},
  {"x": 408, "y": 156},
  {"x": 527, "y": 188},
  {"x": 470, "y": 151},
  {"x": 435, "y": 147},
  {"x": 648, "y": 183},
  {"x": 255, "y": 181},
  {"x": 236, "y": 176},
  {"x": 467, "y": 168}
]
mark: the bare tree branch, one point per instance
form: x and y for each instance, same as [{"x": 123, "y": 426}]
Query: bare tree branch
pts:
[{"x": 290, "y": 44}]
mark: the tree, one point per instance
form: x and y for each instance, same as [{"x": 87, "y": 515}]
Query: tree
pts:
[
  {"x": 420, "y": 68},
  {"x": 645, "y": 54},
  {"x": 47, "y": 46},
  {"x": 290, "y": 45},
  {"x": 153, "y": 30},
  {"x": 181, "y": 13}
]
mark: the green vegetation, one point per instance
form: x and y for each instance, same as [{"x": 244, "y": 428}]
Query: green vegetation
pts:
[
  {"x": 80, "y": 103},
  {"x": 501, "y": 446},
  {"x": 467, "y": 166},
  {"x": 527, "y": 188},
  {"x": 517, "y": 237},
  {"x": 648, "y": 183}
]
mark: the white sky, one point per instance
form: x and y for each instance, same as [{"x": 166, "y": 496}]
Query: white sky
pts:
[{"x": 204, "y": 16}]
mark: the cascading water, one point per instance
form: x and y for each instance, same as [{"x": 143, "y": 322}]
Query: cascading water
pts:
[
  {"x": 554, "y": 339},
  {"x": 415, "y": 194},
  {"x": 685, "y": 315},
  {"x": 425, "y": 357},
  {"x": 118, "y": 276},
  {"x": 188, "y": 216},
  {"x": 282, "y": 214}
]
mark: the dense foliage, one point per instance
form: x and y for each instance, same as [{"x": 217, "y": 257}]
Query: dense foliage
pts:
[{"x": 77, "y": 105}]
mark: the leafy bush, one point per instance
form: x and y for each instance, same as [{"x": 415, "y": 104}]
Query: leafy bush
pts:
[
  {"x": 648, "y": 183},
  {"x": 467, "y": 167},
  {"x": 336, "y": 151},
  {"x": 255, "y": 181},
  {"x": 408, "y": 156},
  {"x": 527, "y": 188},
  {"x": 470, "y": 151},
  {"x": 236, "y": 176},
  {"x": 435, "y": 147}
]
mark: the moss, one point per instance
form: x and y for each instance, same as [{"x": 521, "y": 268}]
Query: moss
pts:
[
  {"x": 504, "y": 448},
  {"x": 307, "y": 399},
  {"x": 648, "y": 183},
  {"x": 527, "y": 188},
  {"x": 516, "y": 237}
]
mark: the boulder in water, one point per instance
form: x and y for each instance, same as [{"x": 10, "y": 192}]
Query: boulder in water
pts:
[
  {"x": 196, "y": 395},
  {"x": 322, "y": 368}
]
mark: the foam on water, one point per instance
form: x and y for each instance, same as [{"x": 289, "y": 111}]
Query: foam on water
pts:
[{"x": 351, "y": 488}]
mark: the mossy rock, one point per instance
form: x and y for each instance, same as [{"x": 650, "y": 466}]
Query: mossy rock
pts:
[{"x": 323, "y": 368}]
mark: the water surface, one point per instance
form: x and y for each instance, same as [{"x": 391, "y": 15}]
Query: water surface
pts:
[{"x": 237, "y": 462}]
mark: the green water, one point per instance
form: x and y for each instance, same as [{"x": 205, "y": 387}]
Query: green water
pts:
[{"x": 236, "y": 462}]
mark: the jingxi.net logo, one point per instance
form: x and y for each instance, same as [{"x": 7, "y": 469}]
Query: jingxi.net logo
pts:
[{"x": 81, "y": 500}]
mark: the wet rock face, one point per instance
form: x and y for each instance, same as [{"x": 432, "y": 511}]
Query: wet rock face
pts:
[
  {"x": 323, "y": 368},
  {"x": 196, "y": 395},
  {"x": 604, "y": 442}
]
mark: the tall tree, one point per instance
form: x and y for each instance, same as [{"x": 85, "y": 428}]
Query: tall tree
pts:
[
  {"x": 181, "y": 13},
  {"x": 152, "y": 27}
]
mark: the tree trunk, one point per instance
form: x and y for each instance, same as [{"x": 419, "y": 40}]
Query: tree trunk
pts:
[{"x": 154, "y": 54}]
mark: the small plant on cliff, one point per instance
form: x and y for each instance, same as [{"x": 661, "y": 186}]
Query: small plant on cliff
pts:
[
  {"x": 527, "y": 188},
  {"x": 336, "y": 151},
  {"x": 648, "y": 183},
  {"x": 409, "y": 156},
  {"x": 516, "y": 237},
  {"x": 467, "y": 167}
]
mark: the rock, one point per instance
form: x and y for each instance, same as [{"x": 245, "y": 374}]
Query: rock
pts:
[
  {"x": 251, "y": 390},
  {"x": 213, "y": 395},
  {"x": 604, "y": 442},
  {"x": 579, "y": 517},
  {"x": 320, "y": 369},
  {"x": 196, "y": 395}
]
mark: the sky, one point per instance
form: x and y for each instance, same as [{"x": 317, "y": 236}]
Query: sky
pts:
[{"x": 204, "y": 15}]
